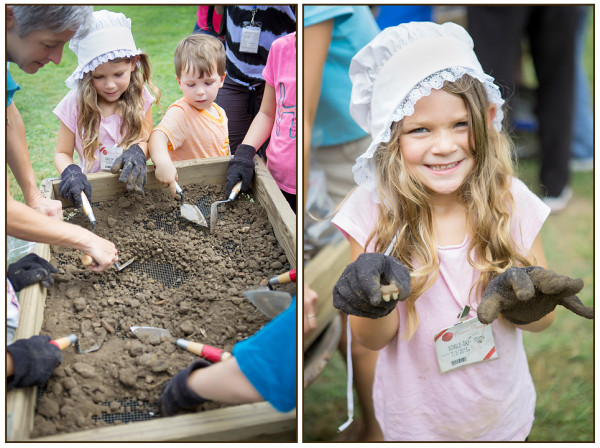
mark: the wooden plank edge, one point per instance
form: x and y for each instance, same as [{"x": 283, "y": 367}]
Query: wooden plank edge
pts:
[{"x": 235, "y": 423}]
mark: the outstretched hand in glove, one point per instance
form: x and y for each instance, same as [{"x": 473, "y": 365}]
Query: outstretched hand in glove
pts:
[
  {"x": 176, "y": 394},
  {"x": 525, "y": 295},
  {"x": 361, "y": 289},
  {"x": 133, "y": 165},
  {"x": 29, "y": 270}
]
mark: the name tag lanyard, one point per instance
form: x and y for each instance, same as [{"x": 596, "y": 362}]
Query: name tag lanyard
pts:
[{"x": 250, "y": 34}]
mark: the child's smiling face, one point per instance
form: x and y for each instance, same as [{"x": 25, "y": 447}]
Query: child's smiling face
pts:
[
  {"x": 435, "y": 142},
  {"x": 200, "y": 92}
]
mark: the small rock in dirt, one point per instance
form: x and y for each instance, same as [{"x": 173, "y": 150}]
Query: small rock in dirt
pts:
[
  {"x": 160, "y": 366},
  {"x": 187, "y": 327},
  {"x": 134, "y": 303},
  {"x": 276, "y": 265},
  {"x": 72, "y": 293},
  {"x": 151, "y": 226},
  {"x": 85, "y": 370},
  {"x": 57, "y": 388},
  {"x": 69, "y": 383},
  {"x": 114, "y": 406},
  {"x": 136, "y": 348},
  {"x": 68, "y": 410},
  {"x": 144, "y": 360},
  {"x": 47, "y": 407},
  {"x": 128, "y": 377},
  {"x": 124, "y": 202},
  {"x": 112, "y": 222},
  {"x": 79, "y": 304}
]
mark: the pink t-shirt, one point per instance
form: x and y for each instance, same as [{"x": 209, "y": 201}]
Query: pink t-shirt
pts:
[
  {"x": 280, "y": 73},
  {"x": 110, "y": 127},
  {"x": 488, "y": 401}
]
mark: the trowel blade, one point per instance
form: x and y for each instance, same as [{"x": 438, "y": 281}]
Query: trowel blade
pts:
[
  {"x": 270, "y": 303},
  {"x": 193, "y": 213},
  {"x": 151, "y": 331}
]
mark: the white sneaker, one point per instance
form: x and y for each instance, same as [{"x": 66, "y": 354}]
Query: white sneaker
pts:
[{"x": 558, "y": 203}]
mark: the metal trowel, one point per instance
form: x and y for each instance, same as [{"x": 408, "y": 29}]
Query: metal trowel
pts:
[
  {"x": 270, "y": 303},
  {"x": 191, "y": 212}
]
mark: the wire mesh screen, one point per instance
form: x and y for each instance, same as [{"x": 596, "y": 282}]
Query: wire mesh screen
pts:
[
  {"x": 164, "y": 273},
  {"x": 133, "y": 411}
]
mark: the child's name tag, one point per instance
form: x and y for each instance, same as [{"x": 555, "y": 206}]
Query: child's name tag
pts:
[
  {"x": 108, "y": 155},
  {"x": 463, "y": 344},
  {"x": 250, "y": 38}
]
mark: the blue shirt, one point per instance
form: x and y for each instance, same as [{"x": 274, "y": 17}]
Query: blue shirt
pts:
[
  {"x": 11, "y": 86},
  {"x": 392, "y": 15},
  {"x": 353, "y": 28},
  {"x": 268, "y": 360}
]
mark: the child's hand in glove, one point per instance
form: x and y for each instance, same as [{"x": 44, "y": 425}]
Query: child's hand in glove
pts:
[
  {"x": 177, "y": 395},
  {"x": 241, "y": 167},
  {"x": 359, "y": 289},
  {"x": 525, "y": 295},
  {"x": 29, "y": 270},
  {"x": 72, "y": 183},
  {"x": 34, "y": 361},
  {"x": 133, "y": 165}
]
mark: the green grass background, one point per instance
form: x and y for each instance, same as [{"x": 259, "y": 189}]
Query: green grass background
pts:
[{"x": 561, "y": 358}]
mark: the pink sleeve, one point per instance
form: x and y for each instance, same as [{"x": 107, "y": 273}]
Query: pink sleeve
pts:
[
  {"x": 531, "y": 213},
  {"x": 66, "y": 111},
  {"x": 148, "y": 98},
  {"x": 357, "y": 216}
]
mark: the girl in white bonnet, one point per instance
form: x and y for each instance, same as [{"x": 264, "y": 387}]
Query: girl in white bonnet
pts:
[
  {"x": 438, "y": 215},
  {"x": 107, "y": 115}
]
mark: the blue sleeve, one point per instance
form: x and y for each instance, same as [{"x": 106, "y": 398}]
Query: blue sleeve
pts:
[
  {"x": 318, "y": 14},
  {"x": 11, "y": 87},
  {"x": 268, "y": 359}
]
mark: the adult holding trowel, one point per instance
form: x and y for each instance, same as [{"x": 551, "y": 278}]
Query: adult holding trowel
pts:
[
  {"x": 262, "y": 368},
  {"x": 36, "y": 35}
]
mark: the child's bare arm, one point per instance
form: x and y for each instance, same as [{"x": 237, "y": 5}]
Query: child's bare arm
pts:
[
  {"x": 262, "y": 124},
  {"x": 165, "y": 172}
]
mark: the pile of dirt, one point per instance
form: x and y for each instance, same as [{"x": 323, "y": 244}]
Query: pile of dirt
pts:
[{"x": 183, "y": 279}]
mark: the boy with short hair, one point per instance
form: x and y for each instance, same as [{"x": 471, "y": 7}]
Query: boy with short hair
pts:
[{"x": 194, "y": 127}]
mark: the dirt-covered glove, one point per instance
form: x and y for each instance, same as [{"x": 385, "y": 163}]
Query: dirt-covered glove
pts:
[
  {"x": 359, "y": 289},
  {"x": 525, "y": 295},
  {"x": 72, "y": 183},
  {"x": 133, "y": 165},
  {"x": 240, "y": 167},
  {"x": 34, "y": 361},
  {"x": 29, "y": 270},
  {"x": 177, "y": 395}
]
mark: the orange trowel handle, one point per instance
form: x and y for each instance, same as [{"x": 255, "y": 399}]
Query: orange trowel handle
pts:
[
  {"x": 286, "y": 277},
  {"x": 63, "y": 343}
]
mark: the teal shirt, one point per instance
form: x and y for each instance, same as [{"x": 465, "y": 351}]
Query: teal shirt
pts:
[
  {"x": 11, "y": 86},
  {"x": 353, "y": 28}
]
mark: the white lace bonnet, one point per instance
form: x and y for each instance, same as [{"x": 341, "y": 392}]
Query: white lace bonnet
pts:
[
  {"x": 109, "y": 38},
  {"x": 398, "y": 67}
]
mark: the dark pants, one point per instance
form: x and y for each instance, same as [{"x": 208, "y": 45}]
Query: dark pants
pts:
[
  {"x": 290, "y": 198},
  {"x": 241, "y": 105},
  {"x": 497, "y": 33}
]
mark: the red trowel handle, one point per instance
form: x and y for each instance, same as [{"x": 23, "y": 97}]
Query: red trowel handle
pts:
[
  {"x": 208, "y": 352},
  {"x": 286, "y": 277}
]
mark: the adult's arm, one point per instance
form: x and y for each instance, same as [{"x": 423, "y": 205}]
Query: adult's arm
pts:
[
  {"x": 17, "y": 156},
  {"x": 25, "y": 223},
  {"x": 317, "y": 39}
]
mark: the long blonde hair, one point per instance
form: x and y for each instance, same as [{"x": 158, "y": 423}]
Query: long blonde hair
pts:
[
  {"x": 130, "y": 106},
  {"x": 406, "y": 212}
]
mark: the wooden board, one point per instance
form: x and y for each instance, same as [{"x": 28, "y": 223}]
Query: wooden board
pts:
[{"x": 232, "y": 423}]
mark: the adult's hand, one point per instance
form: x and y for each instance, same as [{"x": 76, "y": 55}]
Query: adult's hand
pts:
[
  {"x": 34, "y": 361},
  {"x": 103, "y": 252},
  {"x": 240, "y": 167},
  {"x": 72, "y": 183},
  {"x": 311, "y": 300},
  {"x": 133, "y": 165},
  {"x": 29, "y": 270},
  {"x": 46, "y": 206},
  {"x": 359, "y": 289},
  {"x": 525, "y": 295},
  {"x": 176, "y": 394}
]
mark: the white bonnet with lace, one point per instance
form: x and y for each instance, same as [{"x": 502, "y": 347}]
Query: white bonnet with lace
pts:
[
  {"x": 398, "y": 67},
  {"x": 109, "y": 38}
]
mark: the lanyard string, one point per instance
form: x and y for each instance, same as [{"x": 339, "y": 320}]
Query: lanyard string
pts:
[{"x": 349, "y": 395}]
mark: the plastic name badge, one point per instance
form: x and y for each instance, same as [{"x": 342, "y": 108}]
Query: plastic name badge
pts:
[
  {"x": 108, "y": 155},
  {"x": 464, "y": 343}
]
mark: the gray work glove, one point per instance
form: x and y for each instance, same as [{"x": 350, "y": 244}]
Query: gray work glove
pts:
[
  {"x": 34, "y": 361},
  {"x": 29, "y": 270},
  {"x": 358, "y": 290},
  {"x": 525, "y": 295},
  {"x": 133, "y": 165},
  {"x": 72, "y": 183},
  {"x": 240, "y": 167}
]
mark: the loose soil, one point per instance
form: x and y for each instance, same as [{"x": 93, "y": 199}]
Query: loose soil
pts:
[{"x": 183, "y": 279}]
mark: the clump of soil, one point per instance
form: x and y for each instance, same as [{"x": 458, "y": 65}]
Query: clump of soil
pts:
[{"x": 183, "y": 279}]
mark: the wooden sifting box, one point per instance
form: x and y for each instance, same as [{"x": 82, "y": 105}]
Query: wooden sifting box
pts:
[{"x": 249, "y": 422}]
